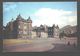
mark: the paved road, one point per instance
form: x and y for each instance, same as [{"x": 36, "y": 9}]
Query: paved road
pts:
[{"x": 43, "y": 45}]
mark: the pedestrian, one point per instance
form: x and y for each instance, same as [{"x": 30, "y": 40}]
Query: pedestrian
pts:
[
  {"x": 74, "y": 44},
  {"x": 68, "y": 43},
  {"x": 60, "y": 36}
]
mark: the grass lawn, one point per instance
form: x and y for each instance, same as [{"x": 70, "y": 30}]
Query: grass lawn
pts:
[{"x": 15, "y": 41}]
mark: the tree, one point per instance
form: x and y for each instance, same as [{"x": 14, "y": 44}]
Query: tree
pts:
[{"x": 61, "y": 35}]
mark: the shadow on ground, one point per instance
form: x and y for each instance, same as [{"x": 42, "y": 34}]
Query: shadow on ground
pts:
[{"x": 63, "y": 48}]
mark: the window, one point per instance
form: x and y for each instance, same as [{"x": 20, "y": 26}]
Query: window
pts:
[
  {"x": 20, "y": 32},
  {"x": 25, "y": 27},
  {"x": 25, "y": 32},
  {"x": 19, "y": 26}
]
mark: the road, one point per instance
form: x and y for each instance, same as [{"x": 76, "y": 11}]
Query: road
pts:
[{"x": 43, "y": 45}]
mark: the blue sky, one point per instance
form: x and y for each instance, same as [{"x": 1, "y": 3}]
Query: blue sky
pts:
[{"x": 36, "y": 9}]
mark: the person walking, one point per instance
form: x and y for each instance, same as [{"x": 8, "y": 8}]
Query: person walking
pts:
[{"x": 61, "y": 35}]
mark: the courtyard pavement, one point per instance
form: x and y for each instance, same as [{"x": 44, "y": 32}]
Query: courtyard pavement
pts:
[{"x": 44, "y": 45}]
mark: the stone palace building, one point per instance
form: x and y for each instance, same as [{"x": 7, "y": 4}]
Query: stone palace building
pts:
[{"x": 21, "y": 28}]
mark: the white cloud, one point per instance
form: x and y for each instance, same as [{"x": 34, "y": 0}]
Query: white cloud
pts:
[{"x": 50, "y": 16}]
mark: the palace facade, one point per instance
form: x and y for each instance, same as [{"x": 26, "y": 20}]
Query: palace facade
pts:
[{"x": 21, "y": 28}]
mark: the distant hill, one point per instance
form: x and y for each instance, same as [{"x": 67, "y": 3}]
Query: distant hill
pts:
[
  {"x": 69, "y": 30},
  {"x": 65, "y": 28}
]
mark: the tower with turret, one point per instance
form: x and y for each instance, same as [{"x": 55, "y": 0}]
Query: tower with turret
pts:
[
  {"x": 55, "y": 31},
  {"x": 29, "y": 27},
  {"x": 19, "y": 28},
  {"x": 24, "y": 27}
]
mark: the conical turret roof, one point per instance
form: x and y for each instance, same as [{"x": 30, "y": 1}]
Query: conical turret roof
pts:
[
  {"x": 12, "y": 20},
  {"x": 19, "y": 17},
  {"x": 29, "y": 19}
]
